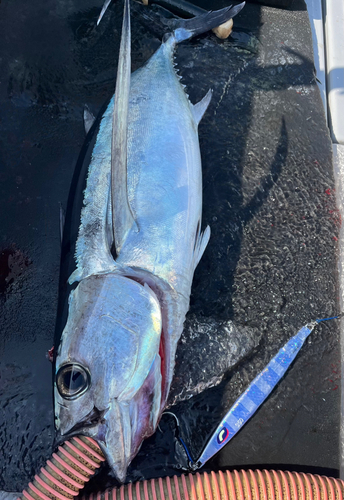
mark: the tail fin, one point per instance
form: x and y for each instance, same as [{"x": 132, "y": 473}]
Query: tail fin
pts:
[
  {"x": 187, "y": 28},
  {"x": 163, "y": 23}
]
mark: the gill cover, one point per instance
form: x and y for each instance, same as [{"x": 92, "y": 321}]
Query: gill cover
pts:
[{"x": 108, "y": 378}]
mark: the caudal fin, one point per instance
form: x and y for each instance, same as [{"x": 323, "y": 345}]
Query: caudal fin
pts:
[{"x": 187, "y": 28}]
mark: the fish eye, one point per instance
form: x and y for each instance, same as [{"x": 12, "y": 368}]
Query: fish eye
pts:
[{"x": 72, "y": 381}]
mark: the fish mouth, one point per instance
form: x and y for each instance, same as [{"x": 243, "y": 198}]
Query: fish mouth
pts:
[
  {"x": 95, "y": 426},
  {"x": 90, "y": 426}
]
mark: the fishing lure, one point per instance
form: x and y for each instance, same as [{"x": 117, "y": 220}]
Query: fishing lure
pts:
[{"x": 254, "y": 396}]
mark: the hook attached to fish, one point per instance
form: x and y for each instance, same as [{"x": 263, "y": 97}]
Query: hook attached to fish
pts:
[{"x": 254, "y": 396}]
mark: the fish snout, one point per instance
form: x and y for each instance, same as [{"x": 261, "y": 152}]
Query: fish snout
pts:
[
  {"x": 118, "y": 468},
  {"x": 114, "y": 438}
]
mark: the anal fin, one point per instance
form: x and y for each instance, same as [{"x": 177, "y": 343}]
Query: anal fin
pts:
[{"x": 200, "y": 108}]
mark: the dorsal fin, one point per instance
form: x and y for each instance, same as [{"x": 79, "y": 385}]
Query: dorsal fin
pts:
[
  {"x": 105, "y": 6},
  {"x": 122, "y": 217}
]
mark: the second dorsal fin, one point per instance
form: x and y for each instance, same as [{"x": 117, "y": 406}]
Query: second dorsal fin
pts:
[
  {"x": 200, "y": 108},
  {"x": 122, "y": 216}
]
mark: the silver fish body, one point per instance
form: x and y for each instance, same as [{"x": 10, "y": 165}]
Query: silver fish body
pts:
[{"x": 115, "y": 361}]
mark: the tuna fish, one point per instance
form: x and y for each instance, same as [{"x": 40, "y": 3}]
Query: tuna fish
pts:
[{"x": 138, "y": 245}]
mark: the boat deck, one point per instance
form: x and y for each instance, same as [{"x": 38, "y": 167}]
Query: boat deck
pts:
[{"x": 269, "y": 197}]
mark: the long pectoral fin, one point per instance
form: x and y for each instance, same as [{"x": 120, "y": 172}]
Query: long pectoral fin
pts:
[{"x": 122, "y": 217}]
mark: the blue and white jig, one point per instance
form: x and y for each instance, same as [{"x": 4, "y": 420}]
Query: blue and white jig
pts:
[{"x": 256, "y": 393}]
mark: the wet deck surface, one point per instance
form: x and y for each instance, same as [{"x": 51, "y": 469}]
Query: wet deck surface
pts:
[{"x": 269, "y": 198}]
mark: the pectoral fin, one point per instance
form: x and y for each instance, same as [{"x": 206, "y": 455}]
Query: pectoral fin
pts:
[{"x": 122, "y": 217}]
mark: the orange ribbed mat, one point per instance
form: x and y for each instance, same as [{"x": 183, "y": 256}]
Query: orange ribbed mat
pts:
[
  {"x": 76, "y": 461},
  {"x": 243, "y": 485}
]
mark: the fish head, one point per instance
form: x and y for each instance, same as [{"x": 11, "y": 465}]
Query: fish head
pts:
[{"x": 108, "y": 376}]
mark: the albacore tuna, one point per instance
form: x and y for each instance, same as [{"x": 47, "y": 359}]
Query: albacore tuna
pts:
[{"x": 143, "y": 204}]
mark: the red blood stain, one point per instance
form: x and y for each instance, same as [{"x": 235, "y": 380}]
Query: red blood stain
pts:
[
  {"x": 50, "y": 354},
  {"x": 336, "y": 369},
  {"x": 331, "y": 207},
  {"x": 337, "y": 218},
  {"x": 335, "y": 377}
]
